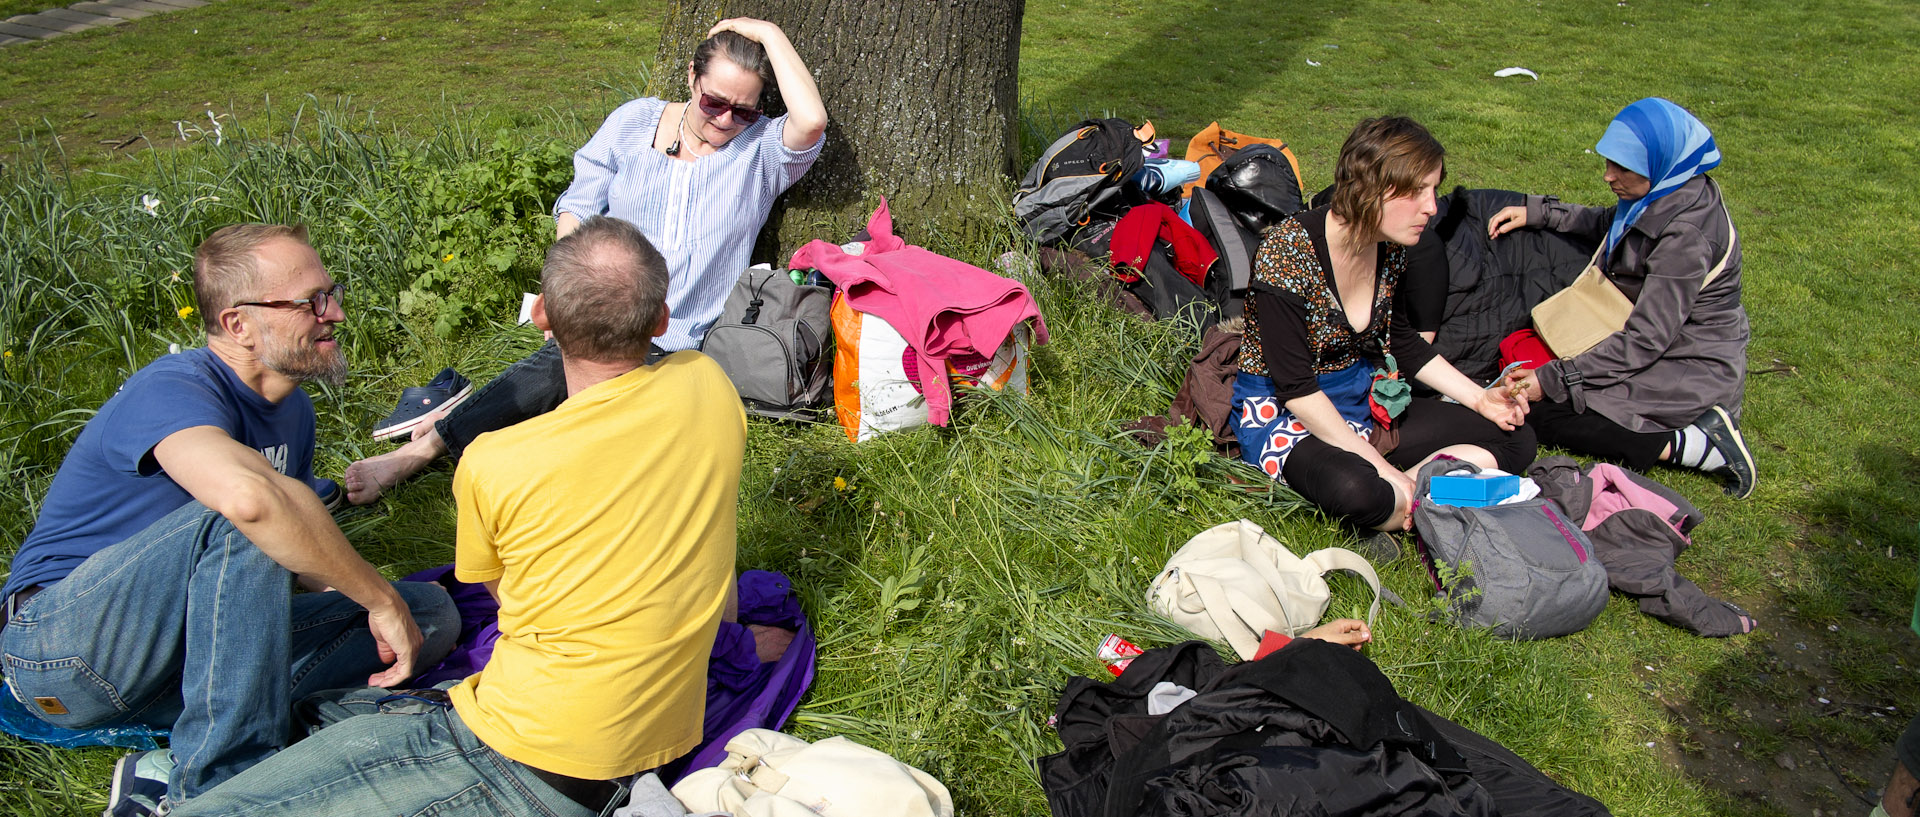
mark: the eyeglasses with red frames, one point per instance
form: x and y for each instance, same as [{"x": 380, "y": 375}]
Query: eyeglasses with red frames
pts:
[
  {"x": 318, "y": 304},
  {"x": 714, "y": 106}
]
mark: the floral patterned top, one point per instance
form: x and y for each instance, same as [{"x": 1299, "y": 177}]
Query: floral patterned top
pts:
[{"x": 1296, "y": 327}]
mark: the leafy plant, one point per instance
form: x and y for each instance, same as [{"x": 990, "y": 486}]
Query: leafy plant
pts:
[
  {"x": 481, "y": 227},
  {"x": 1187, "y": 447}
]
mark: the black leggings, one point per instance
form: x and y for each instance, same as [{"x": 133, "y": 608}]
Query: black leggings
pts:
[
  {"x": 1592, "y": 434},
  {"x": 1346, "y": 485},
  {"x": 529, "y": 388}
]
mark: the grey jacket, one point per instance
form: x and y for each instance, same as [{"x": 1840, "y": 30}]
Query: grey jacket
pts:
[{"x": 1683, "y": 348}]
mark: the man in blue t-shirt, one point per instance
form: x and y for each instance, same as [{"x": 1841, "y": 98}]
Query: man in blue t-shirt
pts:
[{"x": 156, "y": 588}]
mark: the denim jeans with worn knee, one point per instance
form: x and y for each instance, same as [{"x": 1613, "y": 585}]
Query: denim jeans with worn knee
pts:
[
  {"x": 188, "y": 625},
  {"x": 394, "y": 765}
]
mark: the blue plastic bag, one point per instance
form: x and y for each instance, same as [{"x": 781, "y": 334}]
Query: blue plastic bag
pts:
[{"x": 15, "y": 720}]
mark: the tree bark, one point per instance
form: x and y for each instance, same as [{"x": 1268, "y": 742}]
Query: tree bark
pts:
[{"x": 920, "y": 104}]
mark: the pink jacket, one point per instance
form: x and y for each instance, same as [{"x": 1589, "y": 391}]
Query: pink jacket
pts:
[
  {"x": 1614, "y": 491},
  {"x": 942, "y": 307}
]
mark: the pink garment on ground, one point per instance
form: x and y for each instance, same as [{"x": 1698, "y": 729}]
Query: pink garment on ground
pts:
[
  {"x": 943, "y": 308},
  {"x": 1614, "y": 491}
]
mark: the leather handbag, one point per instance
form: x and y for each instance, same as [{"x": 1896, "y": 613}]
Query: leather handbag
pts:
[
  {"x": 1235, "y": 582},
  {"x": 1591, "y": 308}
]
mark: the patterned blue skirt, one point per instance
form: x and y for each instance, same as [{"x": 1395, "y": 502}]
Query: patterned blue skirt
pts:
[{"x": 1268, "y": 432}]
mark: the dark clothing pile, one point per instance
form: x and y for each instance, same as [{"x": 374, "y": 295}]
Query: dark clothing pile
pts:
[
  {"x": 1313, "y": 729},
  {"x": 1638, "y": 528}
]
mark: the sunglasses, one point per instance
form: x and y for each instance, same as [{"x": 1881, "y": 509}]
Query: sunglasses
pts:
[
  {"x": 319, "y": 303},
  {"x": 714, "y": 106}
]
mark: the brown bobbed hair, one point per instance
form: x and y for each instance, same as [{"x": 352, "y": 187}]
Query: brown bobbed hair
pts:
[
  {"x": 226, "y": 271},
  {"x": 1383, "y": 157},
  {"x": 605, "y": 288},
  {"x": 736, "y": 49}
]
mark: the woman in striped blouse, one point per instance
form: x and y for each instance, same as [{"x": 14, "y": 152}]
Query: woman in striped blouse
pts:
[{"x": 698, "y": 177}]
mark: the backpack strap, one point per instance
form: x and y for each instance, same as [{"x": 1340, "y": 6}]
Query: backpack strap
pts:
[
  {"x": 1329, "y": 559},
  {"x": 1732, "y": 234},
  {"x": 1241, "y": 620}
]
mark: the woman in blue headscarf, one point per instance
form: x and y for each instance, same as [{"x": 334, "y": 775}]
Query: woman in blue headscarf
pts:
[{"x": 1667, "y": 387}]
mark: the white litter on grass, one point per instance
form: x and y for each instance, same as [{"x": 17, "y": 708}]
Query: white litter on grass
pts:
[
  {"x": 1312, "y": 63},
  {"x": 1517, "y": 71}
]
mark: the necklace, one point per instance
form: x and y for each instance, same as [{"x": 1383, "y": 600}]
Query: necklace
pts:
[{"x": 674, "y": 149}]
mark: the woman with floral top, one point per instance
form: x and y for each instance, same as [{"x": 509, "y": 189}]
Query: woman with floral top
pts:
[{"x": 1320, "y": 400}]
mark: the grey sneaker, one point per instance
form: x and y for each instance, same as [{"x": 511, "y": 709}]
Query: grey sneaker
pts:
[
  {"x": 1725, "y": 436},
  {"x": 140, "y": 785},
  {"x": 1380, "y": 548}
]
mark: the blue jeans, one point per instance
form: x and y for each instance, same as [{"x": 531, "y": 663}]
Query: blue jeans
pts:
[
  {"x": 188, "y": 625},
  {"x": 427, "y": 763}
]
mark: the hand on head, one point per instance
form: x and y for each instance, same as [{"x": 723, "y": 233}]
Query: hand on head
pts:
[{"x": 748, "y": 27}]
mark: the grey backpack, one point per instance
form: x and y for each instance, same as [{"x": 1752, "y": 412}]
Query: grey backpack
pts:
[
  {"x": 772, "y": 341},
  {"x": 1080, "y": 175},
  {"x": 1530, "y": 572}
]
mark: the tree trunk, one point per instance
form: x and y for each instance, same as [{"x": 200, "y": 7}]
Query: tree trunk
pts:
[{"x": 920, "y": 105}]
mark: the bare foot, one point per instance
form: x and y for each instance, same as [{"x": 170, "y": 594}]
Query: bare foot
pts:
[
  {"x": 366, "y": 480},
  {"x": 770, "y": 642}
]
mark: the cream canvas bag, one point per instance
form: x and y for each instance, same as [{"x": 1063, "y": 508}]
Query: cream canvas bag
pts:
[
  {"x": 770, "y": 774},
  {"x": 1234, "y": 582}
]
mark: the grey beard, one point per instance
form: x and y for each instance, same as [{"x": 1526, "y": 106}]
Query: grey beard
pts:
[{"x": 306, "y": 365}]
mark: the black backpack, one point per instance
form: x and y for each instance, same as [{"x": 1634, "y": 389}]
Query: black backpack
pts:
[
  {"x": 1233, "y": 241},
  {"x": 1257, "y": 184},
  {"x": 1080, "y": 175},
  {"x": 772, "y": 341}
]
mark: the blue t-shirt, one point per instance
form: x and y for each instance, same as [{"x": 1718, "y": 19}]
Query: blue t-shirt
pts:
[{"x": 110, "y": 487}]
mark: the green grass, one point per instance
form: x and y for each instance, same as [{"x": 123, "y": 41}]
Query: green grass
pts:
[
  {"x": 966, "y": 573},
  {"x": 10, "y": 8}
]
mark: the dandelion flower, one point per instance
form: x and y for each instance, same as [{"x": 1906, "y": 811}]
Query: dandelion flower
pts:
[
  {"x": 448, "y": 259},
  {"x": 7, "y": 353},
  {"x": 185, "y": 311},
  {"x": 839, "y": 484}
]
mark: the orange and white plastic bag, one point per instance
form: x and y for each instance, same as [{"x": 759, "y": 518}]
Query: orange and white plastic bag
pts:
[{"x": 876, "y": 384}]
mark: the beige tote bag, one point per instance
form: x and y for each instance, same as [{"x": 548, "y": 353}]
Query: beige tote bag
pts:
[
  {"x": 1577, "y": 318},
  {"x": 1234, "y": 582}
]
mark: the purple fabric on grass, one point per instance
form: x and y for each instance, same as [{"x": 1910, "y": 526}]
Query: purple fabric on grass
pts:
[{"x": 742, "y": 692}]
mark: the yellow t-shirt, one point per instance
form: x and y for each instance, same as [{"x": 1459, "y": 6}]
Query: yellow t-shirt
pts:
[{"x": 609, "y": 523}]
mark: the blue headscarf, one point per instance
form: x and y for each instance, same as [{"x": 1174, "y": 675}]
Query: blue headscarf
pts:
[{"x": 1661, "y": 141}]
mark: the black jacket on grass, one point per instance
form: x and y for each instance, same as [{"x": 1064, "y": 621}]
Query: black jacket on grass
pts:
[{"x": 1313, "y": 729}]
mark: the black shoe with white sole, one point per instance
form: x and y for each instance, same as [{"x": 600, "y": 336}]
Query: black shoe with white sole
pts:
[
  {"x": 424, "y": 404},
  {"x": 1725, "y": 436}
]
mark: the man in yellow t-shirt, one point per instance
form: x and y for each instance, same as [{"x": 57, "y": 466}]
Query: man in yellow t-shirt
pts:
[{"x": 605, "y": 529}]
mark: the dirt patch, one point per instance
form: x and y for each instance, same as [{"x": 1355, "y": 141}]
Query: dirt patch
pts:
[{"x": 1778, "y": 730}]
